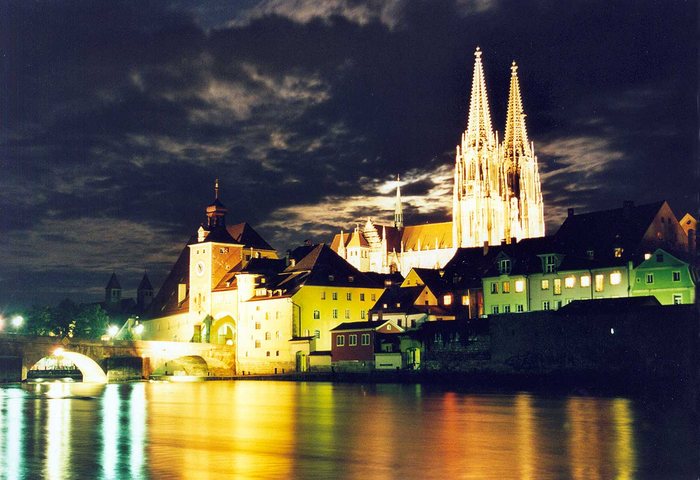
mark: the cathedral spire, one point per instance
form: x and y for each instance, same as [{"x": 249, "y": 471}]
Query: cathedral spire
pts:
[
  {"x": 479, "y": 130},
  {"x": 515, "y": 139},
  {"x": 398, "y": 210}
]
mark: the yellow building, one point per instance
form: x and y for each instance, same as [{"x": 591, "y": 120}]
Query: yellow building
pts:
[{"x": 187, "y": 307}]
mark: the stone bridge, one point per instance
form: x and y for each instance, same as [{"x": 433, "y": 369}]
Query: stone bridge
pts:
[{"x": 115, "y": 360}]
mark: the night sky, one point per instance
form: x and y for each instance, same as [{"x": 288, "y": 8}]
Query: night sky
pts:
[{"x": 116, "y": 117}]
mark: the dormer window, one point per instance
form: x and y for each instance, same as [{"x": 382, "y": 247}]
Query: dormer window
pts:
[
  {"x": 550, "y": 263},
  {"x": 618, "y": 252},
  {"x": 504, "y": 266},
  {"x": 331, "y": 278}
]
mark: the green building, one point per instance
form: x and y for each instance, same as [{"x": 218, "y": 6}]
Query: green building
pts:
[{"x": 671, "y": 280}]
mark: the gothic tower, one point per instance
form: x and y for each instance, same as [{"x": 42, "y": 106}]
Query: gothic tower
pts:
[{"x": 496, "y": 192}]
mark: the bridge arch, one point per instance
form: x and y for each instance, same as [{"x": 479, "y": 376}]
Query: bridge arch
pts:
[{"x": 91, "y": 370}]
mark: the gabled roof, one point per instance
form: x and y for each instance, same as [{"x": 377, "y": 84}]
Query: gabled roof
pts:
[
  {"x": 357, "y": 239},
  {"x": 426, "y": 236},
  {"x": 322, "y": 266},
  {"x": 245, "y": 235},
  {"x": 165, "y": 301},
  {"x": 369, "y": 325},
  {"x": 403, "y": 296},
  {"x": 605, "y": 230}
]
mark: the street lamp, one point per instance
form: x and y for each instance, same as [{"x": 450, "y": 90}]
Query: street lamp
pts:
[
  {"x": 17, "y": 321},
  {"x": 112, "y": 330},
  {"x": 138, "y": 329}
]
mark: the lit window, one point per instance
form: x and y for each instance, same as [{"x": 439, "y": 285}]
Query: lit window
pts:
[
  {"x": 494, "y": 287},
  {"x": 557, "y": 286},
  {"x": 585, "y": 280},
  {"x": 348, "y": 296},
  {"x": 599, "y": 282},
  {"x": 545, "y": 284},
  {"x": 268, "y": 336},
  {"x": 647, "y": 256},
  {"x": 352, "y": 339},
  {"x": 677, "y": 298},
  {"x": 650, "y": 278},
  {"x": 570, "y": 282},
  {"x": 340, "y": 340},
  {"x": 447, "y": 299},
  {"x": 465, "y": 299},
  {"x": 317, "y": 315},
  {"x": 519, "y": 286},
  {"x": 257, "y": 344},
  {"x": 365, "y": 339},
  {"x": 545, "y": 305},
  {"x": 334, "y": 295},
  {"x": 615, "y": 278},
  {"x": 676, "y": 276},
  {"x": 618, "y": 252},
  {"x": 257, "y": 325},
  {"x": 506, "y": 287},
  {"x": 494, "y": 309},
  {"x": 335, "y": 313}
]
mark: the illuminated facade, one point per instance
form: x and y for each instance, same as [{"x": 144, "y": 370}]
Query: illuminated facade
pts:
[
  {"x": 497, "y": 193},
  {"x": 496, "y": 196}
]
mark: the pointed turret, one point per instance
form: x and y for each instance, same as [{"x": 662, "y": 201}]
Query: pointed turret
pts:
[
  {"x": 216, "y": 212},
  {"x": 515, "y": 140},
  {"x": 398, "y": 209},
  {"x": 113, "y": 290},
  {"x": 479, "y": 132},
  {"x": 144, "y": 293}
]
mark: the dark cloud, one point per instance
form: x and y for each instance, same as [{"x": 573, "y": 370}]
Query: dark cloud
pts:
[{"x": 122, "y": 114}]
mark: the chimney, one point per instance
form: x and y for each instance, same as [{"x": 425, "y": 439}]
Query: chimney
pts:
[
  {"x": 486, "y": 248},
  {"x": 570, "y": 212}
]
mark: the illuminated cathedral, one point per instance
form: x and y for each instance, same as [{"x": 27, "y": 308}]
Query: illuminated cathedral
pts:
[{"x": 497, "y": 196}]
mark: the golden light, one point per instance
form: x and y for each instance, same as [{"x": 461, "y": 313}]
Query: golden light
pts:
[
  {"x": 58, "y": 352},
  {"x": 585, "y": 280},
  {"x": 112, "y": 330},
  {"x": 615, "y": 278},
  {"x": 519, "y": 286},
  {"x": 569, "y": 282}
]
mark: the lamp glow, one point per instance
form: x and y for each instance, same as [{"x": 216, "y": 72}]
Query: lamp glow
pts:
[
  {"x": 112, "y": 330},
  {"x": 138, "y": 329},
  {"x": 17, "y": 321}
]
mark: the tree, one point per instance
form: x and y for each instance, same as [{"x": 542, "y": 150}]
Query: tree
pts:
[{"x": 91, "y": 322}]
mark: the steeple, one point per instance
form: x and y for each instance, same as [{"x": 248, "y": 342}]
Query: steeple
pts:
[
  {"x": 479, "y": 132},
  {"x": 515, "y": 140},
  {"x": 216, "y": 212},
  {"x": 113, "y": 290},
  {"x": 398, "y": 210},
  {"x": 144, "y": 293}
]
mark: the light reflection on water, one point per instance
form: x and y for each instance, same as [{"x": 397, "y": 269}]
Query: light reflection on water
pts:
[{"x": 214, "y": 430}]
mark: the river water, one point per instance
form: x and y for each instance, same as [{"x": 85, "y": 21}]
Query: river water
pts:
[{"x": 266, "y": 429}]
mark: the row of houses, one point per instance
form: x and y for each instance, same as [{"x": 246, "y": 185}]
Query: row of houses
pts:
[{"x": 312, "y": 309}]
